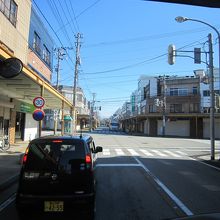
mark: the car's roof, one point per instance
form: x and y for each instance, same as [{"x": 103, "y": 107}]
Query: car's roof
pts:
[{"x": 85, "y": 138}]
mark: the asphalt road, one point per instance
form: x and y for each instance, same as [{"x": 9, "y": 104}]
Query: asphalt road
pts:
[{"x": 147, "y": 178}]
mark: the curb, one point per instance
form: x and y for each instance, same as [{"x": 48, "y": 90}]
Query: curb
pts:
[{"x": 9, "y": 182}]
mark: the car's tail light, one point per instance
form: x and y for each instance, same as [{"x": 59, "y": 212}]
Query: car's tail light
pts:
[
  {"x": 25, "y": 156},
  {"x": 57, "y": 141},
  {"x": 88, "y": 159}
]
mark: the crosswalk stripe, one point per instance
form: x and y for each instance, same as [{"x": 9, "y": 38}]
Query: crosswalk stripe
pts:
[
  {"x": 119, "y": 152},
  {"x": 182, "y": 153},
  {"x": 106, "y": 152},
  {"x": 159, "y": 153},
  {"x": 147, "y": 153},
  {"x": 150, "y": 153},
  {"x": 133, "y": 152},
  {"x": 171, "y": 153}
]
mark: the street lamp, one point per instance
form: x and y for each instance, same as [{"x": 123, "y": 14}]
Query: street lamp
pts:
[{"x": 181, "y": 19}]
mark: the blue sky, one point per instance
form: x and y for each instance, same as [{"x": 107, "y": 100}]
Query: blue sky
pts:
[{"x": 123, "y": 39}]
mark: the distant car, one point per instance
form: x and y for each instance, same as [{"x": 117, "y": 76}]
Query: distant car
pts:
[
  {"x": 114, "y": 126},
  {"x": 57, "y": 174}
]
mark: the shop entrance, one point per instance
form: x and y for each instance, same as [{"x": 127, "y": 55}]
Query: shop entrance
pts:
[
  {"x": 4, "y": 125},
  {"x": 19, "y": 125}
]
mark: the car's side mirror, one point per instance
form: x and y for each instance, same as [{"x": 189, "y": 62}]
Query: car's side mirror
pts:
[{"x": 98, "y": 149}]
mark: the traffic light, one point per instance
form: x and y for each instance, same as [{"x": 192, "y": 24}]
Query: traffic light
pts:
[
  {"x": 171, "y": 54},
  {"x": 197, "y": 55},
  {"x": 208, "y": 3}
]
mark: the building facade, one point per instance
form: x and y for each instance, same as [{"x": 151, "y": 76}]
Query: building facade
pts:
[
  {"x": 17, "y": 94},
  {"x": 40, "y": 48},
  {"x": 178, "y": 100}
]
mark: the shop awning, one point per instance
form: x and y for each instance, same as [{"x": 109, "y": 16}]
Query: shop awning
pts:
[{"x": 28, "y": 85}]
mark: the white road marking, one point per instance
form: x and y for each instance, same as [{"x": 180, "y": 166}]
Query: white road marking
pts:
[
  {"x": 171, "y": 153},
  {"x": 133, "y": 152},
  {"x": 118, "y": 165},
  {"x": 159, "y": 153},
  {"x": 147, "y": 153},
  {"x": 7, "y": 202},
  {"x": 181, "y": 153},
  {"x": 106, "y": 152},
  {"x": 119, "y": 152},
  {"x": 166, "y": 190}
]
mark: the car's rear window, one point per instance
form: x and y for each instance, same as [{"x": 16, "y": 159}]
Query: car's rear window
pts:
[{"x": 50, "y": 154}]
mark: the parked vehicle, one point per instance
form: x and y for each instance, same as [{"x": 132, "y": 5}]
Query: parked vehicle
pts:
[{"x": 57, "y": 175}]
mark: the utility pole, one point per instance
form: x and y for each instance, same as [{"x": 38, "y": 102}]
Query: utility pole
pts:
[
  {"x": 164, "y": 106},
  {"x": 77, "y": 63},
  {"x": 212, "y": 107},
  {"x": 60, "y": 55},
  {"x": 92, "y": 110}
]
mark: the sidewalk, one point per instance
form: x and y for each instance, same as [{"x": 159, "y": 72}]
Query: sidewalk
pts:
[
  {"x": 207, "y": 159},
  {"x": 10, "y": 164}
]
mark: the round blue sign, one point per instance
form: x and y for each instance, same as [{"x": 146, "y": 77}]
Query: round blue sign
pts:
[{"x": 38, "y": 115}]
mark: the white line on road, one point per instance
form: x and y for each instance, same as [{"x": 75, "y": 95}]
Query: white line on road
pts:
[
  {"x": 7, "y": 202},
  {"x": 118, "y": 165},
  {"x": 166, "y": 190},
  {"x": 119, "y": 152},
  {"x": 159, "y": 153},
  {"x": 180, "y": 152},
  {"x": 106, "y": 152},
  {"x": 133, "y": 152},
  {"x": 171, "y": 153},
  {"x": 147, "y": 153}
]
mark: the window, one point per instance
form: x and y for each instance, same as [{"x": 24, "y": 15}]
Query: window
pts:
[
  {"x": 206, "y": 93},
  {"x": 79, "y": 97},
  {"x": 36, "y": 45},
  {"x": 195, "y": 90},
  {"x": 46, "y": 55},
  {"x": 182, "y": 92},
  {"x": 9, "y": 9},
  {"x": 152, "y": 108},
  {"x": 178, "y": 92},
  {"x": 193, "y": 107},
  {"x": 173, "y": 91},
  {"x": 174, "y": 108}
]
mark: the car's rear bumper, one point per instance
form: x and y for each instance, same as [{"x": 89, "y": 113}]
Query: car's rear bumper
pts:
[{"x": 70, "y": 201}]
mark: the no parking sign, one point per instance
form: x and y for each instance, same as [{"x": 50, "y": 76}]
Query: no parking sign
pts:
[{"x": 38, "y": 115}]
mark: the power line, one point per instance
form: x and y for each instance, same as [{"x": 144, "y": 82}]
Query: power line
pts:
[
  {"x": 128, "y": 66},
  {"x": 64, "y": 12},
  {"x": 145, "y": 38},
  {"x": 92, "y": 5},
  {"x": 77, "y": 25}
]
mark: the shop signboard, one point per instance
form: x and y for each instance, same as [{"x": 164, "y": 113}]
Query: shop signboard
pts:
[{"x": 25, "y": 107}]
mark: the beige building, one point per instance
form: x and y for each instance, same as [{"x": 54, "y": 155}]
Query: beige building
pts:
[
  {"x": 17, "y": 93},
  {"x": 14, "y": 27}
]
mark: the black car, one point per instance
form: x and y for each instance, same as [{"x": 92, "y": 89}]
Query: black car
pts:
[{"x": 57, "y": 175}]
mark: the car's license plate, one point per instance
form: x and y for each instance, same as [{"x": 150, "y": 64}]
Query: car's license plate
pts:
[{"x": 53, "y": 206}]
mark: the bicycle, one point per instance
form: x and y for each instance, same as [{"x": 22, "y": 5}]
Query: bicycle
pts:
[{"x": 4, "y": 143}]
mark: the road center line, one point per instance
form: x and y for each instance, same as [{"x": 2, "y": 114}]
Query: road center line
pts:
[{"x": 166, "y": 190}]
